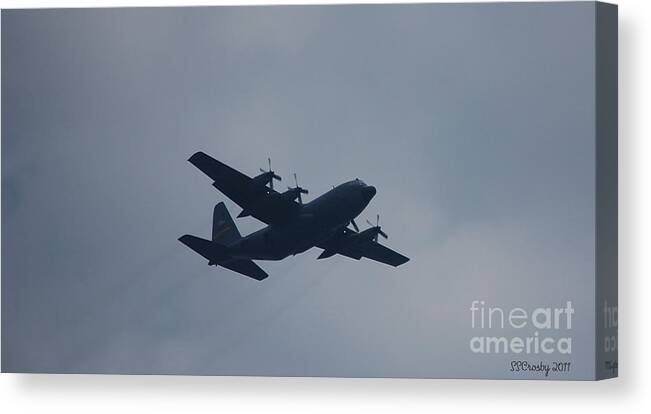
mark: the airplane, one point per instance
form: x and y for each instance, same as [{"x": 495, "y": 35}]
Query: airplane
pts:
[{"x": 292, "y": 227}]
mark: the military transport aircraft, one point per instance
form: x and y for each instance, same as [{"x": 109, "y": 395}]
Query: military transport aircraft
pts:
[{"x": 292, "y": 227}]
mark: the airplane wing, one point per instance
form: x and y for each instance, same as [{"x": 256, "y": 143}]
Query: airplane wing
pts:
[
  {"x": 246, "y": 268},
  {"x": 258, "y": 201},
  {"x": 235, "y": 185},
  {"x": 345, "y": 244},
  {"x": 375, "y": 251}
]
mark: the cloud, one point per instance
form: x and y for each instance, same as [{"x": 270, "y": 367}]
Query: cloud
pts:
[{"x": 473, "y": 122}]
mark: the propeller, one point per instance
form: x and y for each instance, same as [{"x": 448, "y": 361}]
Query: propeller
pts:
[
  {"x": 377, "y": 228},
  {"x": 271, "y": 175},
  {"x": 299, "y": 190}
]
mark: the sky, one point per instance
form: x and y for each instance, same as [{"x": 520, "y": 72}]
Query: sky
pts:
[{"x": 474, "y": 122}]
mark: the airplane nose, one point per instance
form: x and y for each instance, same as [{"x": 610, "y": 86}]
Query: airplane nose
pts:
[{"x": 369, "y": 192}]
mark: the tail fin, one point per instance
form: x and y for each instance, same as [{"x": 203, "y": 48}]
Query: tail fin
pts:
[{"x": 224, "y": 230}]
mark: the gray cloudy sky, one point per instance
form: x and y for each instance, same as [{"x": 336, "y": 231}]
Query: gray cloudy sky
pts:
[{"x": 475, "y": 122}]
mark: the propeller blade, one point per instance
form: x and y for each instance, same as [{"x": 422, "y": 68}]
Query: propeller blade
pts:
[
  {"x": 298, "y": 189},
  {"x": 354, "y": 225},
  {"x": 378, "y": 229},
  {"x": 271, "y": 174}
]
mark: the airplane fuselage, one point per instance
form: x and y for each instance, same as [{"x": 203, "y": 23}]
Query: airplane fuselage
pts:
[{"x": 315, "y": 221}]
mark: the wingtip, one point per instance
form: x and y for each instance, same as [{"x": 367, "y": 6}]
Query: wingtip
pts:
[
  {"x": 263, "y": 275},
  {"x": 196, "y": 156},
  {"x": 405, "y": 259}
]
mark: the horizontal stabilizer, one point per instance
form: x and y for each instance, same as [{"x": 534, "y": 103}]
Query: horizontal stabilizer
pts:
[
  {"x": 245, "y": 267},
  {"x": 212, "y": 251},
  {"x": 218, "y": 254},
  {"x": 199, "y": 245}
]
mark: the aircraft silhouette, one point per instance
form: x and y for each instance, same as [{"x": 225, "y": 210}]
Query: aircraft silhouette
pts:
[{"x": 292, "y": 227}]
